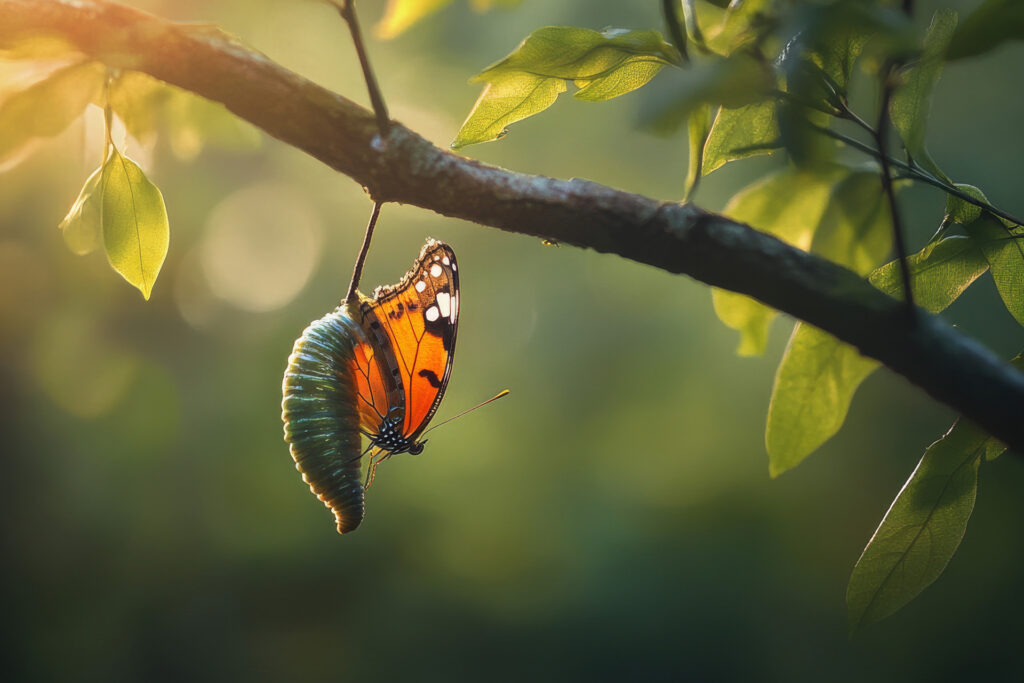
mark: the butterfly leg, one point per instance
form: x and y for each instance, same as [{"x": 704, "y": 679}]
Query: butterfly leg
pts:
[
  {"x": 375, "y": 459},
  {"x": 361, "y": 455}
]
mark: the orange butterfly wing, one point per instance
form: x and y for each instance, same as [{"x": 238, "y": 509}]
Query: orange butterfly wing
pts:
[
  {"x": 419, "y": 317},
  {"x": 373, "y": 395}
]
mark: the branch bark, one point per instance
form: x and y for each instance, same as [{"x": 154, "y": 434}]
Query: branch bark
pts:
[{"x": 403, "y": 167}]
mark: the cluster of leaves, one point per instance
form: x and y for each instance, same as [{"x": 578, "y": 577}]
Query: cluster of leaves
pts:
[
  {"x": 118, "y": 208},
  {"x": 769, "y": 76}
]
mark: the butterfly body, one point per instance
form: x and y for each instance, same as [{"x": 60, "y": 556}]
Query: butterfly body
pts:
[{"x": 376, "y": 367}]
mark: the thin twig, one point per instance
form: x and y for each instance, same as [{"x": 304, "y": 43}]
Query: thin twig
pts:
[
  {"x": 917, "y": 173},
  {"x": 347, "y": 9},
  {"x": 357, "y": 271},
  {"x": 883, "y": 158},
  {"x": 850, "y": 115}
]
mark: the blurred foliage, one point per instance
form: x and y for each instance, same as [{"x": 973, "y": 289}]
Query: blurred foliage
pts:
[{"x": 611, "y": 518}]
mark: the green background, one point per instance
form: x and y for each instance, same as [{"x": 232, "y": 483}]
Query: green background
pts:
[{"x": 612, "y": 518}]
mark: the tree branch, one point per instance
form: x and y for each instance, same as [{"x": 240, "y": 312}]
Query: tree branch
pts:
[{"x": 679, "y": 238}]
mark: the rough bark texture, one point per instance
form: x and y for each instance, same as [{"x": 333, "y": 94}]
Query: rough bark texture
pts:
[{"x": 679, "y": 238}]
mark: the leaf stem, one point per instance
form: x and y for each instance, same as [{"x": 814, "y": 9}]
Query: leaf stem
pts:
[
  {"x": 347, "y": 9},
  {"x": 894, "y": 210},
  {"x": 671, "y": 11},
  {"x": 357, "y": 271}
]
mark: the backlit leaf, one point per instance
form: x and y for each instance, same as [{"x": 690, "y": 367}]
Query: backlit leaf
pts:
[
  {"x": 787, "y": 204},
  {"x": 922, "y": 529},
  {"x": 988, "y": 27},
  {"x": 1004, "y": 251},
  {"x": 529, "y": 80},
  {"x": 911, "y": 101},
  {"x": 47, "y": 107},
  {"x": 502, "y": 103},
  {"x": 819, "y": 374},
  {"x": 82, "y": 226},
  {"x": 813, "y": 388},
  {"x": 135, "y": 227},
  {"x": 855, "y": 230},
  {"x": 939, "y": 273},
  {"x": 731, "y": 82},
  {"x": 401, "y": 14},
  {"x": 739, "y": 27},
  {"x": 963, "y": 212},
  {"x": 740, "y": 133}
]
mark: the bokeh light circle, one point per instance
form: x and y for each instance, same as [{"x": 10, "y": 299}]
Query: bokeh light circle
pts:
[{"x": 260, "y": 247}]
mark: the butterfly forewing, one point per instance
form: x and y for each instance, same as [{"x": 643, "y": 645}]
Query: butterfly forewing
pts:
[{"x": 420, "y": 316}]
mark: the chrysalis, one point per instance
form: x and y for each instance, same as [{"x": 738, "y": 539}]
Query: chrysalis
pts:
[{"x": 321, "y": 415}]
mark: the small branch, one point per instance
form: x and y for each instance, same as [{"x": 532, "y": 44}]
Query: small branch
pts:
[
  {"x": 677, "y": 238},
  {"x": 915, "y": 172},
  {"x": 850, "y": 115},
  {"x": 347, "y": 9},
  {"x": 671, "y": 11},
  {"x": 357, "y": 271},
  {"x": 881, "y": 139}
]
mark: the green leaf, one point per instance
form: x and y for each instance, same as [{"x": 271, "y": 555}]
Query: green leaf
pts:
[
  {"x": 963, "y": 212},
  {"x": 988, "y": 27},
  {"x": 922, "y": 529},
  {"x": 787, "y": 204},
  {"x": 813, "y": 388},
  {"x": 804, "y": 144},
  {"x": 505, "y": 102},
  {"x": 839, "y": 50},
  {"x": 46, "y": 108},
  {"x": 730, "y": 82},
  {"x": 855, "y": 230},
  {"x": 1004, "y": 252},
  {"x": 819, "y": 374},
  {"x": 940, "y": 273},
  {"x": 911, "y": 102},
  {"x": 82, "y": 226},
  {"x": 602, "y": 65},
  {"x": 743, "y": 24},
  {"x": 741, "y": 133},
  {"x": 135, "y": 228},
  {"x": 699, "y": 127},
  {"x": 401, "y": 14}
]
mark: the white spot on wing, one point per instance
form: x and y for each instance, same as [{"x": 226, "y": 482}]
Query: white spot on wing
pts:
[
  {"x": 444, "y": 302},
  {"x": 432, "y": 314},
  {"x": 455, "y": 307},
  {"x": 435, "y": 270},
  {"x": 447, "y": 261},
  {"x": 420, "y": 286}
]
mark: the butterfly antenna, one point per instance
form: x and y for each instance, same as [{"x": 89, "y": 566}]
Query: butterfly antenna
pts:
[{"x": 501, "y": 394}]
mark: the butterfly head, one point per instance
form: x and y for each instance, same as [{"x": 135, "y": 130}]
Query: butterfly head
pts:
[{"x": 416, "y": 447}]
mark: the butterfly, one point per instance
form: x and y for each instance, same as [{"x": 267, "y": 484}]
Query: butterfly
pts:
[
  {"x": 375, "y": 368},
  {"x": 403, "y": 366}
]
